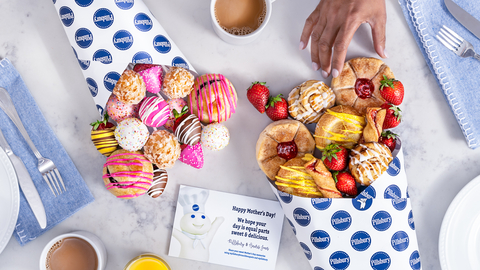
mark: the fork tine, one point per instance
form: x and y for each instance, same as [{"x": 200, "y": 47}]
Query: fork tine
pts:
[
  {"x": 453, "y": 33},
  {"x": 52, "y": 174},
  {"x": 445, "y": 43},
  {"x": 48, "y": 183},
  {"x": 60, "y": 177},
  {"x": 52, "y": 182},
  {"x": 448, "y": 36}
]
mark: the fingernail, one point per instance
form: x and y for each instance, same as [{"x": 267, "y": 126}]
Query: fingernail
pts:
[
  {"x": 315, "y": 66},
  {"x": 334, "y": 73},
  {"x": 301, "y": 46},
  {"x": 385, "y": 53},
  {"x": 324, "y": 74}
]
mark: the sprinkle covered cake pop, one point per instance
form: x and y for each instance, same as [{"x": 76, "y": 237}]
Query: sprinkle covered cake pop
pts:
[
  {"x": 162, "y": 149},
  {"x": 120, "y": 111},
  {"x": 154, "y": 111},
  {"x": 177, "y": 83},
  {"x": 215, "y": 137},
  {"x": 131, "y": 134},
  {"x": 130, "y": 88}
]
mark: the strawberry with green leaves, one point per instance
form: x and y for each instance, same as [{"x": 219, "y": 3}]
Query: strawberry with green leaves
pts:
[
  {"x": 277, "y": 108},
  {"x": 391, "y": 90},
  {"x": 393, "y": 117},
  {"x": 102, "y": 124},
  {"x": 389, "y": 139},
  {"x": 179, "y": 117},
  {"x": 258, "y": 95},
  {"x": 335, "y": 157},
  {"x": 345, "y": 183}
]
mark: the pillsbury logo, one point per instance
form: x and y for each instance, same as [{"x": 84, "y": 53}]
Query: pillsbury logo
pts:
[
  {"x": 369, "y": 193},
  {"x": 66, "y": 15},
  {"x": 84, "y": 3},
  {"x": 161, "y": 44},
  {"x": 301, "y": 216},
  {"x": 381, "y": 221},
  {"x": 102, "y": 56},
  {"x": 84, "y": 64},
  {"x": 394, "y": 167},
  {"x": 399, "y": 204},
  {"x": 110, "y": 80},
  {"x": 410, "y": 220},
  {"x": 83, "y": 38},
  {"x": 362, "y": 204},
  {"x": 100, "y": 109},
  {"x": 122, "y": 40},
  {"x": 142, "y": 58},
  {"x": 306, "y": 250},
  {"x": 143, "y": 22},
  {"x": 321, "y": 203},
  {"x": 179, "y": 62},
  {"x": 320, "y": 239},
  {"x": 380, "y": 261},
  {"x": 339, "y": 260},
  {"x": 318, "y": 268},
  {"x": 124, "y": 4},
  {"x": 54, "y": 2},
  {"x": 400, "y": 241},
  {"x": 415, "y": 261},
  {"x": 92, "y": 86},
  {"x": 341, "y": 220},
  {"x": 285, "y": 197},
  {"x": 360, "y": 241},
  {"x": 103, "y": 18},
  {"x": 195, "y": 207},
  {"x": 392, "y": 192},
  {"x": 293, "y": 226}
]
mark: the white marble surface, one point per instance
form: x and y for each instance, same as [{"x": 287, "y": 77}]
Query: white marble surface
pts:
[{"x": 438, "y": 161}]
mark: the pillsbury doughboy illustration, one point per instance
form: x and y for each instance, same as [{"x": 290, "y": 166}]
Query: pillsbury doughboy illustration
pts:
[{"x": 197, "y": 230}]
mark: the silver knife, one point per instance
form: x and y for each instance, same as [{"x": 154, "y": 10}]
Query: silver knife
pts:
[
  {"x": 26, "y": 183},
  {"x": 467, "y": 20}
]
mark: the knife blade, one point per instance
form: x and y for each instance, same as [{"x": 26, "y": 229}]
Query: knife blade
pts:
[
  {"x": 467, "y": 20},
  {"x": 26, "y": 184}
]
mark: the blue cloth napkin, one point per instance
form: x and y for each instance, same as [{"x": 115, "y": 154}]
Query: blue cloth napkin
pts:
[
  {"x": 459, "y": 78},
  {"x": 57, "y": 208}
]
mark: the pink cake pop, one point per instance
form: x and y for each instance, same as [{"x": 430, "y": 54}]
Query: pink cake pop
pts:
[
  {"x": 119, "y": 111},
  {"x": 152, "y": 78}
]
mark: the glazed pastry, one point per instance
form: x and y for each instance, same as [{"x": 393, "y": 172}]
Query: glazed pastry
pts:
[
  {"x": 215, "y": 137},
  {"x": 308, "y": 101},
  {"x": 177, "y": 83},
  {"x": 127, "y": 174},
  {"x": 213, "y": 98},
  {"x": 187, "y": 128},
  {"x": 342, "y": 125},
  {"x": 322, "y": 177},
  {"x": 281, "y": 141},
  {"x": 159, "y": 182},
  {"x": 154, "y": 111},
  {"x": 103, "y": 137},
  {"x": 120, "y": 111},
  {"x": 373, "y": 129},
  {"x": 162, "y": 149},
  {"x": 131, "y": 134},
  {"x": 130, "y": 88},
  {"x": 368, "y": 161},
  {"x": 358, "y": 85},
  {"x": 292, "y": 178},
  {"x": 153, "y": 78}
]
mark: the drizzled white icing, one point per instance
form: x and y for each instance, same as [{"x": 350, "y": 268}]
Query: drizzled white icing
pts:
[
  {"x": 373, "y": 161},
  {"x": 189, "y": 134},
  {"x": 308, "y": 104}
]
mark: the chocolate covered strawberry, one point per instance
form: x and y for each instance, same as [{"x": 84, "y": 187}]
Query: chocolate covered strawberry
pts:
[
  {"x": 335, "y": 157},
  {"x": 389, "y": 139},
  {"x": 103, "y": 137},
  {"x": 391, "y": 90},
  {"x": 346, "y": 183},
  {"x": 277, "y": 108},
  {"x": 258, "y": 95},
  {"x": 192, "y": 155},
  {"x": 393, "y": 117}
]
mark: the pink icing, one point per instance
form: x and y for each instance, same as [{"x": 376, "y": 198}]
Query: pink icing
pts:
[
  {"x": 154, "y": 111},
  {"x": 192, "y": 155},
  {"x": 152, "y": 78}
]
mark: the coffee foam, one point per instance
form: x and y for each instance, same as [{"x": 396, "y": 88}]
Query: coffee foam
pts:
[
  {"x": 50, "y": 252},
  {"x": 242, "y": 31}
]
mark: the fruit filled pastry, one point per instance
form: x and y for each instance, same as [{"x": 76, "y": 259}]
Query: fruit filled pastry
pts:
[
  {"x": 127, "y": 174},
  {"x": 342, "y": 125},
  {"x": 292, "y": 178},
  {"x": 368, "y": 161},
  {"x": 374, "y": 127},
  {"x": 130, "y": 88},
  {"x": 281, "y": 141},
  {"x": 308, "y": 101},
  {"x": 322, "y": 177},
  {"x": 358, "y": 85}
]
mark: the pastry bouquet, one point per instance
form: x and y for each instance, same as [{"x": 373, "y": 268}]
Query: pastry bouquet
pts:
[
  {"x": 140, "y": 80},
  {"x": 347, "y": 203}
]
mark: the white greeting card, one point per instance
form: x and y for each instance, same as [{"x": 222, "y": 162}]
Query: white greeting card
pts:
[{"x": 226, "y": 229}]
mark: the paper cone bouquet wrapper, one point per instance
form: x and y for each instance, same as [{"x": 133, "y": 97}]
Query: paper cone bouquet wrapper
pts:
[
  {"x": 108, "y": 35},
  {"x": 375, "y": 230}
]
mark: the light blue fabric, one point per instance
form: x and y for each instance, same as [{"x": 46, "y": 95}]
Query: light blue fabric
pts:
[
  {"x": 459, "y": 78},
  {"x": 57, "y": 208}
]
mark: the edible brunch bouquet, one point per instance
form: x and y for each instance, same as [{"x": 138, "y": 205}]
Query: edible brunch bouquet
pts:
[
  {"x": 350, "y": 207},
  {"x": 139, "y": 78}
]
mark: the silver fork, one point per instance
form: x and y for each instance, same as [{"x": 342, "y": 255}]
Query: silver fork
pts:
[
  {"x": 456, "y": 43},
  {"x": 46, "y": 167}
]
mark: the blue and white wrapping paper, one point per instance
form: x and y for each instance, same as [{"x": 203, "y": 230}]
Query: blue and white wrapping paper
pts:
[
  {"x": 375, "y": 230},
  {"x": 107, "y": 35}
]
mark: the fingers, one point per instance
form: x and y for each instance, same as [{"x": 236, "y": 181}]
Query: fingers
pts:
[
  {"x": 316, "y": 35},
  {"x": 378, "y": 35},
  {"x": 342, "y": 41},
  {"x": 310, "y": 23},
  {"x": 325, "y": 44}
]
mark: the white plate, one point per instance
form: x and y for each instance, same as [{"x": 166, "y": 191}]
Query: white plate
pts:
[
  {"x": 459, "y": 241},
  {"x": 9, "y": 199}
]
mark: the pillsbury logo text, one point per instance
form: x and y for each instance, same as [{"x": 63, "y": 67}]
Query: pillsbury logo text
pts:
[
  {"x": 143, "y": 22},
  {"x": 381, "y": 220},
  {"x": 161, "y": 44},
  {"x": 92, "y": 86},
  {"x": 102, "y": 56},
  {"x": 369, "y": 193},
  {"x": 84, "y": 3},
  {"x": 179, "y": 62},
  {"x": 110, "y": 80},
  {"x": 66, "y": 15},
  {"x": 301, "y": 216},
  {"x": 399, "y": 204},
  {"x": 83, "y": 38},
  {"x": 321, "y": 203},
  {"x": 360, "y": 241},
  {"x": 103, "y": 18},
  {"x": 380, "y": 261},
  {"x": 142, "y": 58},
  {"x": 394, "y": 167},
  {"x": 410, "y": 220},
  {"x": 122, "y": 40},
  {"x": 306, "y": 250},
  {"x": 400, "y": 241},
  {"x": 392, "y": 192},
  {"x": 415, "y": 260},
  {"x": 124, "y": 4},
  {"x": 195, "y": 207},
  {"x": 285, "y": 197},
  {"x": 84, "y": 64},
  {"x": 339, "y": 260},
  {"x": 320, "y": 239},
  {"x": 341, "y": 220}
]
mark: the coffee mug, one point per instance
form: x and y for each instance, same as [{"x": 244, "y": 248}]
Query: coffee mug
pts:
[
  {"x": 90, "y": 238},
  {"x": 239, "y": 39}
]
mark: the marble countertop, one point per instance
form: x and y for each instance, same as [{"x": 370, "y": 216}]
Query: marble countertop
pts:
[{"x": 437, "y": 160}]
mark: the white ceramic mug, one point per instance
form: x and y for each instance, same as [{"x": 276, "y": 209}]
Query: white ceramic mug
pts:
[
  {"x": 91, "y": 238},
  {"x": 239, "y": 39}
]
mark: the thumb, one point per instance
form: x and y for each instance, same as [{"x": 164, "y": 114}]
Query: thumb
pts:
[{"x": 379, "y": 38}]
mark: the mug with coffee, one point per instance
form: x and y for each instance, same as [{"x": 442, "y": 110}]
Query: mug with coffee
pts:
[{"x": 240, "y": 21}]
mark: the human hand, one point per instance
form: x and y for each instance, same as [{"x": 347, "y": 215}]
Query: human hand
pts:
[{"x": 331, "y": 27}]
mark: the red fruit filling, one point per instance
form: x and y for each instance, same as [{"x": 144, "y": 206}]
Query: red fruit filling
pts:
[
  {"x": 287, "y": 150},
  {"x": 364, "y": 88}
]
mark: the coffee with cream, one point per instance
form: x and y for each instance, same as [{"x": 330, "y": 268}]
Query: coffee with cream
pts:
[
  {"x": 240, "y": 17},
  {"x": 72, "y": 253}
]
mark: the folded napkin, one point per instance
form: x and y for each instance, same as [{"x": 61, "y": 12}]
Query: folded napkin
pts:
[
  {"x": 458, "y": 77},
  {"x": 57, "y": 208}
]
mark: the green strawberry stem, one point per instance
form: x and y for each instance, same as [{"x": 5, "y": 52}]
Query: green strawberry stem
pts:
[
  {"x": 98, "y": 122},
  {"x": 178, "y": 115},
  {"x": 388, "y": 134},
  {"x": 330, "y": 151},
  {"x": 387, "y": 82},
  {"x": 272, "y": 100},
  {"x": 256, "y": 82}
]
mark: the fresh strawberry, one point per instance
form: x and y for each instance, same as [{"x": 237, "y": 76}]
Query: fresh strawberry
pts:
[
  {"x": 258, "y": 95},
  {"x": 389, "y": 139},
  {"x": 335, "y": 156},
  {"x": 346, "y": 183},
  {"x": 391, "y": 90},
  {"x": 179, "y": 117},
  {"x": 140, "y": 67},
  {"x": 192, "y": 155},
  {"x": 102, "y": 124},
  {"x": 393, "y": 116},
  {"x": 277, "y": 108}
]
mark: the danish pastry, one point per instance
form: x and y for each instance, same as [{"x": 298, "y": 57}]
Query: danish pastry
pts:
[
  {"x": 322, "y": 177},
  {"x": 373, "y": 129},
  {"x": 308, "y": 101},
  {"x": 292, "y": 178},
  {"x": 368, "y": 161}
]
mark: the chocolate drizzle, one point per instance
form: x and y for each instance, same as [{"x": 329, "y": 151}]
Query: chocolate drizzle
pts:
[{"x": 160, "y": 178}]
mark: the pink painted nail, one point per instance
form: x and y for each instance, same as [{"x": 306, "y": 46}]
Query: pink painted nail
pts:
[
  {"x": 324, "y": 74},
  {"x": 335, "y": 73},
  {"x": 301, "y": 46},
  {"x": 314, "y": 66}
]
